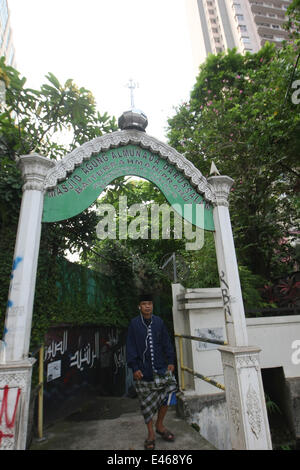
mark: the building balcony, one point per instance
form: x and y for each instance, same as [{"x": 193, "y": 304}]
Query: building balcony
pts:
[
  {"x": 267, "y": 19},
  {"x": 262, "y": 9},
  {"x": 270, "y": 31},
  {"x": 271, "y": 41},
  {"x": 280, "y": 4},
  {"x": 274, "y": 5}
]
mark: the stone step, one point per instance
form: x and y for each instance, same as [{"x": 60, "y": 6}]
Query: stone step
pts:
[{"x": 124, "y": 432}]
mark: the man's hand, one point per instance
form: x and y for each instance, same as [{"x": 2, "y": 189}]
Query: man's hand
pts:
[
  {"x": 137, "y": 375},
  {"x": 171, "y": 367}
]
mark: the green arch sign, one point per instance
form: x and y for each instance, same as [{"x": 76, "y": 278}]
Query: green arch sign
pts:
[{"x": 83, "y": 186}]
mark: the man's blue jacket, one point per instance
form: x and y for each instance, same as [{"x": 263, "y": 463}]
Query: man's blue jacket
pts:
[{"x": 137, "y": 350}]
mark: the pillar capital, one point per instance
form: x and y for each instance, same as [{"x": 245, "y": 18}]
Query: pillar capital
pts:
[
  {"x": 221, "y": 186},
  {"x": 247, "y": 354},
  {"x": 34, "y": 169}
]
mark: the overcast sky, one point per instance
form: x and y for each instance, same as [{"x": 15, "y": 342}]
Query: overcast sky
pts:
[{"x": 101, "y": 44}]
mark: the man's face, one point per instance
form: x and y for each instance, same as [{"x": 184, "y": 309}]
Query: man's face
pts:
[{"x": 146, "y": 307}]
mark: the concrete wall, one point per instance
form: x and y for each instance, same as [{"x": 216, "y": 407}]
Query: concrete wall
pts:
[
  {"x": 276, "y": 337},
  {"x": 292, "y": 411},
  {"x": 208, "y": 413},
  {"x": 199, "y": 312}
]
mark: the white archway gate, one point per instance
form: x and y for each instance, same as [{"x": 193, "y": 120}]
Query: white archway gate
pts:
[{"x": 51, "y": 191}]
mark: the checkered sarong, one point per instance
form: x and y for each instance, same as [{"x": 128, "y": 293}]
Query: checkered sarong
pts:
[{"x": 153, "y": 394}]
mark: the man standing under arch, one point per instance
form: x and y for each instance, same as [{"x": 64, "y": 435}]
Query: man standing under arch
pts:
[{"x": 151, "y": 357}]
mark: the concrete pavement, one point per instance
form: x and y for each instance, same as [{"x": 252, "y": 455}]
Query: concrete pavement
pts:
[{"x": 115, "y": 423}]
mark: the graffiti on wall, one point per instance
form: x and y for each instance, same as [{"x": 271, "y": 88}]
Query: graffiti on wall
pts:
[
  {"x": 9, "y": 401},
  {"x": 119, "y": 359},
  {"x": 225, "y": 294},
  {"x": 84, "y": 356},
  {"x": 77, "y": 358},
  {"x": 56, "y": 347}
]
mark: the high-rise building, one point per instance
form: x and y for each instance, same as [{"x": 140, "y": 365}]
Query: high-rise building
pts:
[
  {"x": 6, "y": 43},
  {"x": 218, "y": 25}
]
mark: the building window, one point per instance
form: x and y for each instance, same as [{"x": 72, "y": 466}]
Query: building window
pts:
[
  {"x": 237, "y": 6},
  {"x": 239, "y": 17},
  {"x": 246, "y": 39},
  {"x": 275, "y": 26},
  {"x": 267, "y": 25},
  {"x": 243, "y": 28}
]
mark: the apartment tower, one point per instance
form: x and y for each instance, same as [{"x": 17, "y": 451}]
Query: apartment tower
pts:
[
  {"x": 6, "y": 44},
  {"x": 218, "y": 25}
]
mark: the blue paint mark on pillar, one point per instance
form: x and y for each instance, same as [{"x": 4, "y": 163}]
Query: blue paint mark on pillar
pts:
[
  {"x": 16, "y": 262},
  {"x": 4, "y": 334}
]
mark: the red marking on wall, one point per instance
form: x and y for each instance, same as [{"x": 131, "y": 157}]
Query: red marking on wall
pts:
[{"x": 9, "y": 423}]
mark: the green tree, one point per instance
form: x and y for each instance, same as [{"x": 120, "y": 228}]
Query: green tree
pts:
[
  {"x": 134, "y": 265},
  {"x": 238, "y": 117},
  {"x": 51, "y": 121},
  {"x": 293, "y": 19},
  {"x": 143, "y": 255}
]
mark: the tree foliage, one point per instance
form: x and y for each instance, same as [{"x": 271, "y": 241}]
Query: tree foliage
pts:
[
  {"x": 51, "y": 121},
  {"x": 238, "y": 117},
  {"x": 33, "y": 120},
  {"x": 293, "y": 19},
  {"x": 136, "y": 265}
]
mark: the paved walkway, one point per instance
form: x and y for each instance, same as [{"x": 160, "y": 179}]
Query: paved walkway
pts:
[{"x": 115, "y": 423}]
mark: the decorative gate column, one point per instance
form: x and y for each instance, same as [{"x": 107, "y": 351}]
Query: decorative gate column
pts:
[
  {"x": 247, "y": 413},
  {"x": 227, "y": 264},
  {"x": 15, "y": 367},
  {"x": 248, "y": 421}
]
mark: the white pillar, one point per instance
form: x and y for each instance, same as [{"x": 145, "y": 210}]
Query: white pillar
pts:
[
  {"x": 15, "y": 366},
  {"x": 22, "y": 286},
  {"x": 247, "y": 415},
  {"x": 227, "y": 264}
]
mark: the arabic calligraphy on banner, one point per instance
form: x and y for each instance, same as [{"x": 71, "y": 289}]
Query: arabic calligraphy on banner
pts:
[
  {"x": 81, "y": 357},
  {"x": 82, "y": 350}
]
